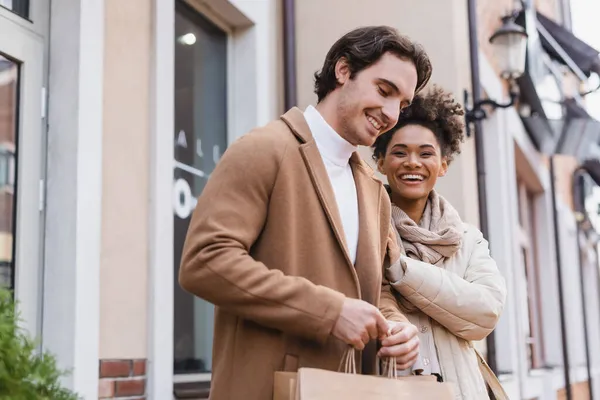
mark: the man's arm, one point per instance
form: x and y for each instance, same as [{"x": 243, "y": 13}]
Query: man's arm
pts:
[{"x": 216, "y": 264}]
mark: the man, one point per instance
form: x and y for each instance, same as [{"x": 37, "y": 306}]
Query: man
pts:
[{"x": 290, "y": 234}]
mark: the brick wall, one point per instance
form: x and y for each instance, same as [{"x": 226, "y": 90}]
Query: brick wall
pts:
[
  {"x": 488, "y": 20},
  {"x": 122, "y": 379}
]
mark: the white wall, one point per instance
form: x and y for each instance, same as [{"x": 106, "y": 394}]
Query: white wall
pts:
[
  {"x": 504, "y": 133},
  {"x": 74, "y": 191}
]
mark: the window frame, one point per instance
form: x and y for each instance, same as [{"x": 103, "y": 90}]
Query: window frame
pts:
[
  {"x": 528, "y": 246},
  {"x": 251, "y": 64},
  {"x": 188, "y": 8},
  {"x": 27, "y": 51}
]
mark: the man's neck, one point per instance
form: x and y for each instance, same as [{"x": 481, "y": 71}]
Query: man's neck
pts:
[{"x": 329, "y": 114}]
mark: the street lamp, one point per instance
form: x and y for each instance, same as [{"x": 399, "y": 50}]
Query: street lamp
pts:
[{"x": 510, "y": 45}]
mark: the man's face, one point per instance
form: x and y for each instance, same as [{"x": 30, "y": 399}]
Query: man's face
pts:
[{"x": 370, "y": 103}]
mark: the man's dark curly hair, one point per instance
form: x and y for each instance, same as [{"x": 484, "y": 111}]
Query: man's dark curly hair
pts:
[
  {"x": 437, "y": 111},
  {"x": 363, "y": 47}
]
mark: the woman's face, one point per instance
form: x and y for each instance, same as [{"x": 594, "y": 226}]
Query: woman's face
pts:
[{"x": 413, "y": 161}]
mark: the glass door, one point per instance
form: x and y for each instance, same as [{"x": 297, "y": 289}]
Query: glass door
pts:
[
  {"x": 22, "y": 141},
  {"x": 200, "y": 138}
]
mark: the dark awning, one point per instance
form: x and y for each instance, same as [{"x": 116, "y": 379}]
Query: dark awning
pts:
[
  {"x": 582, "y": 54},
  {"x": 563, "y": 46},
  {"x": 575, "y": 133},
  {"x": 541, "y": 132},
  {"x": 580, "y": 135},
  {"x": 592, "y": 167}
]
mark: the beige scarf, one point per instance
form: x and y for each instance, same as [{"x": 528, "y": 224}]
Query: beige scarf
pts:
[{"x": 437, "y": 237}]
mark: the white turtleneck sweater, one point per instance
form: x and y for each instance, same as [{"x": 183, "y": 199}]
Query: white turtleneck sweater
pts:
[{"x": 336, "y": 153}]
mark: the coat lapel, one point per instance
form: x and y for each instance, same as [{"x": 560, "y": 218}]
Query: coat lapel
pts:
[
  {"x": 368, "y": 263},
  {"x": 318, "y": 175}
]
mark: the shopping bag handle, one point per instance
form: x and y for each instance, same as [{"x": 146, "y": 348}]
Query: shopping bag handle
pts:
[
  {"x": 348, "y": 363},
  {"x": 390, "y": 370}
]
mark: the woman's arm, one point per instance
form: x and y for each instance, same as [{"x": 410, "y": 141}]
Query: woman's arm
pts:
[{"x": 468, "y": 306}]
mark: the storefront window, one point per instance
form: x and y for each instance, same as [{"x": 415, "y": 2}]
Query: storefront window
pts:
[
  {"x": 20, "y": 7},
  {"x": 200, "y": 137},
  {"x": 9, "y": 86}
]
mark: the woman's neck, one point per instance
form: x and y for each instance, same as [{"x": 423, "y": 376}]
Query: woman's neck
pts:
[{"x": 413, "y": 208}]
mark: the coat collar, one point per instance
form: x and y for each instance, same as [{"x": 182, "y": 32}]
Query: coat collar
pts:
[
  {"x": 295, "y": 120},
  {"x": 368, "y": 192}
]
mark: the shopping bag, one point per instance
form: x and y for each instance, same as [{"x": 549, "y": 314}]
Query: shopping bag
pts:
[
  {"x": 318, "y": 384},
  {"x": 284, "y": 385}
]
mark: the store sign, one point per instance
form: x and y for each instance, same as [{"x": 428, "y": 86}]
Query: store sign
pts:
[{"x": 185, "y": 198}]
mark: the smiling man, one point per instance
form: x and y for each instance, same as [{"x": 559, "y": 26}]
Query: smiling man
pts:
[{"x": 290, "y": 235}]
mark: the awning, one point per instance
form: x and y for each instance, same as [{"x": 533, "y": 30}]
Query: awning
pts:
[
  {"x": 592, "y": 167},
  {"x": 543, "y": 132},
  {"x": 575, "y": 133},
  {"x": 580, "y": 135},
  {"x": 583, "y": 55},
  {"x": 563, "y": 46}
]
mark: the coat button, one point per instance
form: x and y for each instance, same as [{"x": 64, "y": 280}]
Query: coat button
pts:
[
  {"x": 424, "y": 329},
  {"x": 426, "y": 361}
]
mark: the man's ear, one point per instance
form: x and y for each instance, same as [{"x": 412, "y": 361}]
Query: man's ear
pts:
[{"x": 342, "y": 71}]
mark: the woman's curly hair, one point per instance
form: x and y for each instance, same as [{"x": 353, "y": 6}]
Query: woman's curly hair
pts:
[{"x": 435, "y": 110}]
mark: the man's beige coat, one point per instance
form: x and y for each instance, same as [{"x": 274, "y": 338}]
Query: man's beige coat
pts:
[{"x": 266, "y": 246}]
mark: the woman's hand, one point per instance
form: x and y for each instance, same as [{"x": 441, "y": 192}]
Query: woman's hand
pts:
[{"x": 402, "y": 342}]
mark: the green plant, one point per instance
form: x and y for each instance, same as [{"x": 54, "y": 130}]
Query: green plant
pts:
[{"x": 25, "y": 373}]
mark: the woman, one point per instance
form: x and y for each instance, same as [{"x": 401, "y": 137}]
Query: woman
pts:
[{"x": 445, "y": 280}]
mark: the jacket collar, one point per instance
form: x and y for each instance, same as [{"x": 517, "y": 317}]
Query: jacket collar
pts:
[
  {"x": 295, "y": 120},
  {"x": 367, "y": 265}
]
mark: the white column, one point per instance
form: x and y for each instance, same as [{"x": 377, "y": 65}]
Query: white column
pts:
[
  {"x": 161, "y": 274},
  {"x": 502, "y": 214},
  {"x": 74, "y": 191},
  {"x": 253, "y": 74}
]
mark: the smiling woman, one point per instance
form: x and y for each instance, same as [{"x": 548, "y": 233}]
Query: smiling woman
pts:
[
  {"x": 446, "y": 283},
  {"x": 417, "y": 151}
]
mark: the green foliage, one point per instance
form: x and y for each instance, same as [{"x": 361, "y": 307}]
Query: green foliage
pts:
[{"x": 25, "y": 374}]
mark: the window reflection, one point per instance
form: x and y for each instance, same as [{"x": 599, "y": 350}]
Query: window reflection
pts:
[
  {"x": 200, "y": 137},
  {"x": 9, "y": 86}
]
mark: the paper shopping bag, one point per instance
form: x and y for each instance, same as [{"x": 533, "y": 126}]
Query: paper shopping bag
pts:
[
  {"x": 318, "y": 384},
  {"x": 284, "y": 386}
]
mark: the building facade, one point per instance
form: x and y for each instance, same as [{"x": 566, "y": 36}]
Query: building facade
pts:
[{"x": 114, "y": 113}]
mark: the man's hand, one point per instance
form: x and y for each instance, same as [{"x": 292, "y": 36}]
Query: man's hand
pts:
[
  {"x": 402, "y": 343},
  {"x": 358, "y": 323}
]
